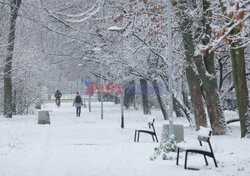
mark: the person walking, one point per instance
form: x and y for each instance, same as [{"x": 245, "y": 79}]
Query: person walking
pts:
[
  {"x": 58, "y": 96},
  {"x": 78, "y": 104}
]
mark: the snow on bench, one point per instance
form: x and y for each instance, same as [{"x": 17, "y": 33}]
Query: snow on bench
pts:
[{"x": 204, "y": 135}]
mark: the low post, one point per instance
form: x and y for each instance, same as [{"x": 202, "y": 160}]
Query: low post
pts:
[
  {"x": 84, "y": 96},
  {"x": 101, "y": 93},
  {"x": 43, "y": 117},
  {"x": 89, "y": 103},
  {"x": 38, "y": 103},
  {"x": 178, "y": 132}
]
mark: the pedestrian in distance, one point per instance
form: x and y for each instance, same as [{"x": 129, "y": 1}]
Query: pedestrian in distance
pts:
[
  {"x": 58, "y": 96},
  {"x": 78, "y": 104}
]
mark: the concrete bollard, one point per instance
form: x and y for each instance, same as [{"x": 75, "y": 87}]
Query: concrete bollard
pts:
[
  {"x": 43, "y": 117},
  {"x": 38, "y": 103},
  {"x": 178, "y": 133}
]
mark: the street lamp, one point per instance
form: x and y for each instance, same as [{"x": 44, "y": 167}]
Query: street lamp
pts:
[
  {"x": 101, "y": 92},
  {"x": 118, "y": 29},
  {"x": 170, "y": 78}
]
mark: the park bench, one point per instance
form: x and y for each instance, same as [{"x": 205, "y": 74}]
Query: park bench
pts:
[
  {"x": 151, "y": 131},
  {"x": 204, "y": 135}
]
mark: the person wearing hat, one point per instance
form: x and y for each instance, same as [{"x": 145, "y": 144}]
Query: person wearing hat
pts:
[{"x": 78, "y": 104}]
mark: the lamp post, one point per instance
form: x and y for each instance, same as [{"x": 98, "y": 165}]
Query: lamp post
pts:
[
  {"x": 101, "y": 93},
  {"x": 170, "y": 78},
  {"x": 118, "y": 29}
]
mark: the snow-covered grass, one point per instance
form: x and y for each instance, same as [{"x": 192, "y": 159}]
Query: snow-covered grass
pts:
[{"x": 89, "y": 146}]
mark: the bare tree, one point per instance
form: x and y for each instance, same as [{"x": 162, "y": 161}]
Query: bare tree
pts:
[{"x": 14, "y": 7}]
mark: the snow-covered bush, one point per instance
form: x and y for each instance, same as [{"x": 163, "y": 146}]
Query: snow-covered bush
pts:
[{"x": 166, "y": 150}]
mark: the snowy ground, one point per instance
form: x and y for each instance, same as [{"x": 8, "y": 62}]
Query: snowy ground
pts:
[{"x": 89, "y": 146}]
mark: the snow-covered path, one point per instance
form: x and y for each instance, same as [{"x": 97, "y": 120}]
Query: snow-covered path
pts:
[
  {"x": 86, "y": 145},
  {"x": 75, "y": 146}
]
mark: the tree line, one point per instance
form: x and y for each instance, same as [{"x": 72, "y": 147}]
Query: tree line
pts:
[{"x": 210, "y": 50}]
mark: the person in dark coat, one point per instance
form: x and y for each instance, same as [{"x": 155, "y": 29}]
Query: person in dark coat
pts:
[
  {"x": 58, "y": 96},
  {"x": 78, "y": 104}
]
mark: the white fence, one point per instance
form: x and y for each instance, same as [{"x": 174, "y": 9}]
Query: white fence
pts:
[{"x": 65, "y": 96}]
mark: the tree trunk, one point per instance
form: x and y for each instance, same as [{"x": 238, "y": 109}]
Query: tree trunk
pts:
[
  {"x": 126, "y": 97},
  {"x": 117, "y": 99},
  {"x": 184, "y": 108},
  {"x": 196, "y": 98},
  {"x": 177, "y": 108},
  {"x": 206, "y": 69},
  {"x": 184, "y": 93},
  {"x": 129, "y": 94},
  {"x": 14, "y": 110},
  {"x": 161, "y": 103},
  {"x": 14, "y": 7},
  {"x": 144, "y": 92},
  {"x": 240, "y": 84},
  {"x": 192, "y": 77},
  {"x": 132, "y": 92},
  {"x": 239, "y": 77},
  {"x": 211, "y": 96}
]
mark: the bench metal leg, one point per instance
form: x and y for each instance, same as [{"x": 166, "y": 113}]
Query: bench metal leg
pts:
[
  {"x": 205, "y": 159},
  {"x": 156, "y": 138},
  {"x": 177, "y": 159},
  {"x": 153, "y": 138},
  {"x": 215, "y": 163},
  {"x": 138, "y": 136},
  {"x": 185, "y": 166},
  {"x": 135, "y": 136}
]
